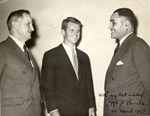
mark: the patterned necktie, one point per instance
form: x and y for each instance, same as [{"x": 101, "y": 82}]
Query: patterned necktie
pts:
[
  {"x": 117, "y": 48},
  {"x": 75, "y": 61},
  {"x": 26, "y": 52}
]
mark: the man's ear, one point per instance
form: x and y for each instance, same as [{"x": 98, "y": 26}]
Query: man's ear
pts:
[
  {"x": 127, "y": 24},
  {"x": 63, "y": 32},
  {"x": 14, "y": 25}
]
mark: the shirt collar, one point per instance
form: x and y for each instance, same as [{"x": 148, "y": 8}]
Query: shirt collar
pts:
[
  {"x": 122, "y": 40},
  {"x": 68, "y": 47},
  {"x": 19, "y": 43}
]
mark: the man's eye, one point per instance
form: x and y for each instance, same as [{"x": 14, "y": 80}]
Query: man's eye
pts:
[
  {"x": 113, "y": 23},
  {"x": 78, "y": 31},
  {"x": 28, "y": 24},
  {"x": 72, "y": 30}
]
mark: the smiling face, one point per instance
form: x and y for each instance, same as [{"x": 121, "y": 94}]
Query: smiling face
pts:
[
  {"x": 24, "y": 27},
  {"x": 117, "y": 26},
  {"x": 71, "y": 34}
]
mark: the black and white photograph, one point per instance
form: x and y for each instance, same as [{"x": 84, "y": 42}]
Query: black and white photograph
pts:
[{"x": 74, "y": 58}]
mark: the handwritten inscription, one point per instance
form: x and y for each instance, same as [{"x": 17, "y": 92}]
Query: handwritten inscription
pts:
[{"x": 129, "y": 103}]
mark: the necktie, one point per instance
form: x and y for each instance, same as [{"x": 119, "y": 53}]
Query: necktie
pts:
[
  {"x": 117, "y": 48},
  {"x": 75, "y": 61},
  {"x": 26, "y": 52}
]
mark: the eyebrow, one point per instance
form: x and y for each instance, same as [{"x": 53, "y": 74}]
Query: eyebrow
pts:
[{"x": 111, "y": 20}]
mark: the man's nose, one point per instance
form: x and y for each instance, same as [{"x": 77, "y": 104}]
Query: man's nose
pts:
[{"x": 32, "y": 28}]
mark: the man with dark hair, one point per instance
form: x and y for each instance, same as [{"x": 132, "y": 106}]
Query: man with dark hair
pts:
[
  {"x": 127, "y": 83},
  {"x": 66, "y": 76},
  {"x": 19, "y": 79}
]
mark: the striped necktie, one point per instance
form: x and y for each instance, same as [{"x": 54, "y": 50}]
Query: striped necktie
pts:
[{"x": 26, "y": 51}]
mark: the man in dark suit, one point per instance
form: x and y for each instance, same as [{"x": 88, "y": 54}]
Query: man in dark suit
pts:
[
  {"x": 66, "y": 74},
  {"x": 19, "y": 80},
  {"x": 127, "y": 84}
]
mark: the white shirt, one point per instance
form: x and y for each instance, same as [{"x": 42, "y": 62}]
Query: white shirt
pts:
[
  {"x": 122, "y": 40},
  {"x": 68, "y": 50}
]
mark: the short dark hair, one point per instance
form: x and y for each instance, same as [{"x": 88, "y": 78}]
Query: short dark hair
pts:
[
  {"x": 70, "y": 19},
  {"x": 14, "y": 16},
  {"x": 128, "y": 13}
]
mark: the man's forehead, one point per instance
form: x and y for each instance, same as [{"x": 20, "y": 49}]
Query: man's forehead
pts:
[
  {"x": 71, "y": 24},
  {"x": 25, "y": 17},
  {"x": 115, "y": 17}
]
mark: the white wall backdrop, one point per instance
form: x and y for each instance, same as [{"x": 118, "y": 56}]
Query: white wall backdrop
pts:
[{"x": 94, "y": 15}]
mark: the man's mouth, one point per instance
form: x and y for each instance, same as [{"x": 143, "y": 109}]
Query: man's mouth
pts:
[{"x": 112, "y": 32}]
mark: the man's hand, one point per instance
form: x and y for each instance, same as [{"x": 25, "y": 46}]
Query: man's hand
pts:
[{"x": 92, "y": 112}]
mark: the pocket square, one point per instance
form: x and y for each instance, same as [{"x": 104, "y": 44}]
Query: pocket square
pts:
[{"x": 120, "y": 63}]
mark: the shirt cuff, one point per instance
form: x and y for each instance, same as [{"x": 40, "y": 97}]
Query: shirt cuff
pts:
[{"x": 53, "y": 111}]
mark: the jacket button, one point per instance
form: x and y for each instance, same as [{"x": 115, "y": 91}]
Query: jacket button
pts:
[
  {"x": 112, "y": 78},
  {"x": 24, "y": 72}
]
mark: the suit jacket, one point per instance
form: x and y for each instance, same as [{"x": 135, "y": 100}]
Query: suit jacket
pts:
[
  {"x": 127, "y": 84},
  {"x": 19, "y": 82},
  {"x": 62, "y": 89}
]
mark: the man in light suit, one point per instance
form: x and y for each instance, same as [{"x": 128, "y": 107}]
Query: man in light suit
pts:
[
  {"x": 19, "y": 80},
  {"x": 127, "y": 84},
  {"x": 67, "y": 81}
]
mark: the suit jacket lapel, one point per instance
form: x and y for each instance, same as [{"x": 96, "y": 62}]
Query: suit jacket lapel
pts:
[
  {"x": 65, "y": 59},
  {"x": 80, "y": 66},
  {"x": 34, "y": 68},
  {"x": 120, "y": 52},
  {"x": 25, "y": 59},
  {"x": 19, "y": 52}
]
